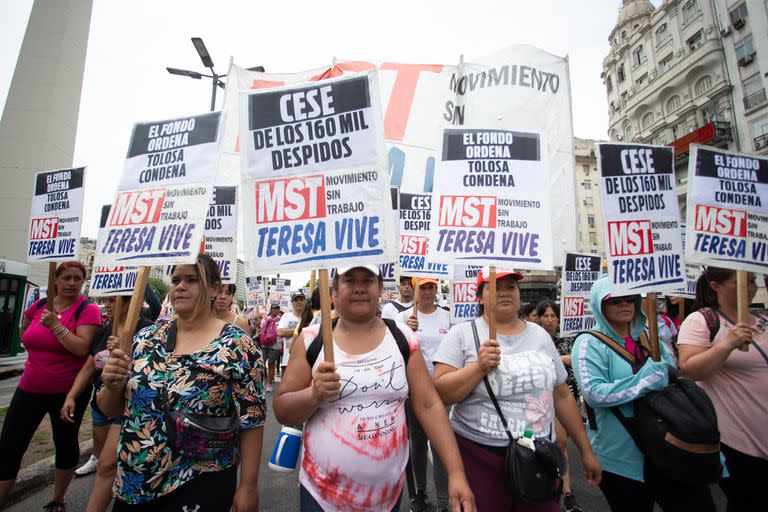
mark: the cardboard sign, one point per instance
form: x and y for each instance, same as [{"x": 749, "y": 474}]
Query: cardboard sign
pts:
[
  {"x": 415, "y": 219},
  {"x": 280, "y": 292},
  {"x": 579, "y": 274},
  {"x": 490, "y": 201},
  {"x": 57, "y": 210},
  {"x": 109, "y": 281},
  {"x": 254, "y": 294},
  {"x": 388, "y": 274},
  {"x": 221, "y": 232},
  {"x": 463, "y": 297},
  {"x": 314, "y": 176},
  {"x": 692, "y": 273},
  {"x": 727, "y": 215},
  {"x": 158, "y": 216},
  {"x": 642, "y": 219}
]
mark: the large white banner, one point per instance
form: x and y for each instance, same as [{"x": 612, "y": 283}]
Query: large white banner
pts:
[
  {"x": 491, "y": 202},
  {"x": 642, "y": 219},
  {"x": 579, "y": 274},
  {"x": 314, "y": 176},
  {"x": 109, "y": 280},
  {"x": 519, "y": 87},
  {"x": 221, "y": 232},
  {"x": 727, "y": 216},
  {"x": 158, "y": 216},
  {"x": 57, "y": 211}
]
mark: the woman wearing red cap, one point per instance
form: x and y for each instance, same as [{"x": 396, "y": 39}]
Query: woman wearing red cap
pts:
[{"x": 528, "y": 380}]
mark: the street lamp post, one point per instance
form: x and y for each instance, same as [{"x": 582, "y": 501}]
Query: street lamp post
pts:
[{"x": 202, "y": 51}]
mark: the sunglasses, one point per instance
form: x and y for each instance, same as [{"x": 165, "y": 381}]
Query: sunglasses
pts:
[{"x": 629, "y": 299}]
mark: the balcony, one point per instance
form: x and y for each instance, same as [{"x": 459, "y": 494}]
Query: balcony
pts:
[
  {"x": 754, "y": 99},
  {"x": 761, "y": 141},
  {"x": 691, "y": 17}
]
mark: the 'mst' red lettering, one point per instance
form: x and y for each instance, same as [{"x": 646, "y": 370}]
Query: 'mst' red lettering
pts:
[
  {"x": 410, "y": 244},
  {"x": 630, "y": 238},
  {"x": 137, "y": 207},
  {"x": 721, "y": 221},
  {"x": 290, "y": 199},
  {"x": 44, "y": 228},
  {"x": 464, "y": 292},
  {"x": 573, "y": 306},
  {"x": 468, "y": 211}
]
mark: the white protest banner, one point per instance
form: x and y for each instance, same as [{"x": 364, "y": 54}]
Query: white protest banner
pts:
[
  {"x": 579, "y": 273},
  {"x": 692, "y": 273},
  {"x": 642, "y": 220},
  {"x": 463, "y": 293},
  {"x": 221, "y": 232},
  {"x": 57, "y": 210},
  {"x": 519, "y": 87},
  {"x": 158, "y": 216},
  {"x": 314, "y": 176},
  {"x": 491, "y": 203},
  {"x": 254, "y": 292},
  {"x": 415, "y": 219},
  {"x": 389, "y": 276},
  {"x": 280, "y": 292},
  {"x": 109, "y": 281},
  {"x": 727, "y": 216}
]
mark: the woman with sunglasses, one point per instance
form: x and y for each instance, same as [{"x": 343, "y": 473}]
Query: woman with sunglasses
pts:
[
  {"x": 607, "y": 380},
  {"x": 736, "y": 381}
]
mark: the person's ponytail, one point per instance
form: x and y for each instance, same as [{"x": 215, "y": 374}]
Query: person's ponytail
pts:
[{"x": 706, "y": 297}]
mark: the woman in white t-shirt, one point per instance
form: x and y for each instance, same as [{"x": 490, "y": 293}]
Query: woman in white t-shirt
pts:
[
  {"x": 356, "y": 437},
  {"x": 736, "y": 381},
  {"x": 529, "y": 380}
]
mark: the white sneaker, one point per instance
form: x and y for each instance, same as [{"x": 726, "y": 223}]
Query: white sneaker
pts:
[{"x": 88, "y": 467}]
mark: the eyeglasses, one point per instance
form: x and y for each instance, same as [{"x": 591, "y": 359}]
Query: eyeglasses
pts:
[{"x": 629, "y": 299}]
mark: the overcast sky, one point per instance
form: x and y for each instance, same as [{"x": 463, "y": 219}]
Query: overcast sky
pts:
[{"x": 131, "y": 43}]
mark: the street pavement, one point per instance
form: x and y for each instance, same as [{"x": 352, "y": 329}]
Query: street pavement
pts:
[
  {"x": 7, "y": 387},
  {"x": 279, "y": 491}
]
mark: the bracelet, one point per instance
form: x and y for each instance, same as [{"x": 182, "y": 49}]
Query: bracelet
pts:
[
  {"x": 61, "y": 334},
  {"x": 58, "y": 328}
]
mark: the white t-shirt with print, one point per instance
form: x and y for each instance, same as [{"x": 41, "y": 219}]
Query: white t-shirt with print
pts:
[
  {"x": 433, "y": 327},
  {"x": 288, "y": 321},
  {"x": 390, "y": 311},
  {"x": 356, "y": 446},
  {"x": 523, "y": 383}
]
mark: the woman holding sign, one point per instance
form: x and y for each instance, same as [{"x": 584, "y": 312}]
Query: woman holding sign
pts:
[
  {"x": 736, "y": 381},
  {"x": 193, "y": 406},
  {"x": 528, "y": 381},
  {"x": 57, "y": 341},
  {"x": 356, "y": 437}
]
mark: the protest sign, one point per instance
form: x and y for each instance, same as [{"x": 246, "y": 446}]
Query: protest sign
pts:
[
  {"x": 727, "y": 216},
  {"x": 280, "y": 292},
  {"x": 463, "y": 293},
  {"x": 388, "y": 275},
  {"x": 692, "y": 273},
  {"x": 105, "y": 280},
  {"x": 221, "y": 232},
  {"x": 491, "y": 204},
  {"x": 254, "y": 292},
  {"x": 579, "y": 273},
  {"x": 57, "y": 210},
  {"x": 158, "y": 216},
  {"x": 415, "y": 218},
  {"x": 642, "y": 220},
  {"x": 314, "y": 176}
]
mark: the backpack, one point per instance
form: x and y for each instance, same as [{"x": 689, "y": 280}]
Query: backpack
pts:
[
  {"x": 399, "y": 307},
  {"x": 313, "y": 351},
  {"x": 40, "y": 304},
  {"x": 268, "y": 334},
  {"x": 713, "y": 319},
  {"x": 675, "y": 428}
]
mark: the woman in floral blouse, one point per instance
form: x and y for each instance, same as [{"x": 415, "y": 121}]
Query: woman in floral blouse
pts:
[{"x": 186, "y": 380}]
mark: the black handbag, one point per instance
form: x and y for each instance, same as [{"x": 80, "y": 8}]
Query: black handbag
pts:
[
  {"x": 535, "y": 476},
  {"x": 197, "y": 436}
]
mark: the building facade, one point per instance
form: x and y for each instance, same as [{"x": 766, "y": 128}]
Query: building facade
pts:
[
  {"x": 689, "y": 71},
  {"x": 589, "y": 205}
]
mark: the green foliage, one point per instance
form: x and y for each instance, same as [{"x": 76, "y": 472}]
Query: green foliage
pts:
[{"x": 159, "y": 287}]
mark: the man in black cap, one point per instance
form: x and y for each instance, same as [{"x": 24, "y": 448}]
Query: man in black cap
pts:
[{"x": 288, "y": 324}]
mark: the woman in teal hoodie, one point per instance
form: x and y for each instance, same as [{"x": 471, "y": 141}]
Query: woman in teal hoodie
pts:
[{"x": 606, "y": 380}]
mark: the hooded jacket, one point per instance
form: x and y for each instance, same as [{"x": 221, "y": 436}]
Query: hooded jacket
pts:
[{"x": 606, "y": 380}]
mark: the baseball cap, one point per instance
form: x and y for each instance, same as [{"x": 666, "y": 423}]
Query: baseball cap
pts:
[
  {"x": 425, "y": 280},
  {"x": 297, "y": 294},
  {"x": 482, "y": 276},
  {"x": 374, "y": 269},
  {"x": 274, "y": 305}
]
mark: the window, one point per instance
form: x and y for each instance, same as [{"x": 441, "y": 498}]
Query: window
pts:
[
  {"x": 744, "y": 48},
  {"x": 703, "y": 85},
  {"x": 592, "y": 238},
  {"x": 754, "y": 93},
  {"x": 620, "y": 73},
  {"x": 662, "y": 34},
  {"x": 666, "y": 63},
  {"x": 738, "y": 14},
  {"x": 628, "y": 132},
  {"x": 695, "y": 40},
  {"x": 647, "y": 120},
  {"x": 587, "y": 185},
  {"x": 609, "y": 84},
  {"x": 585, "y": 167},
  {"x": 760, "y": 132},
  {"x": 691, "y": 11},
  {"x": 591, "y": 221},
  {"x": 588, "y": 201},
  {"x": 673, "y": 104},
  {"x": 643, "y": 80},
  {"x": 638, "y": 55}
]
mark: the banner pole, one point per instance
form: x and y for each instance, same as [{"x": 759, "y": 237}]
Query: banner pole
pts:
[
  {"x": 653, "y": 325},
  {"x": 134, "y": 309},
  {"x": 492, "y": 303},
  {"x": 116, "y": 310},
  {"x": 325, "y": 312},
  {"x": 742, "y": 302},
  {"x": 50, "y": 293},
  {"x": 415, "y": 295},
  {"x": 681, "y": 311},
  {"x": 312, "y": 279}
]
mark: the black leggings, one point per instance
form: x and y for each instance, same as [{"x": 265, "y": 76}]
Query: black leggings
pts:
[
  {"x": 745, "y": 488},
  {"x": 21, "y": 421}
]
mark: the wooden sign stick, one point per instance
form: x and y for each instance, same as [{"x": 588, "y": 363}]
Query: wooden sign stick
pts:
[
  {"x": 134, "y": 309},
  {"x": 653, "y": 325},
  {"x": 492, "y": 303},
  {"x": 681, "y": 311},
  {"x": 325, "y": 312},
  {"x": 116, "y": 310},
  {"x": 742, "y": 302},
  {"x": 415, "y": 295},
  {"x": 51, "y": 291},
  {"x": 312, "y": 279}
]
